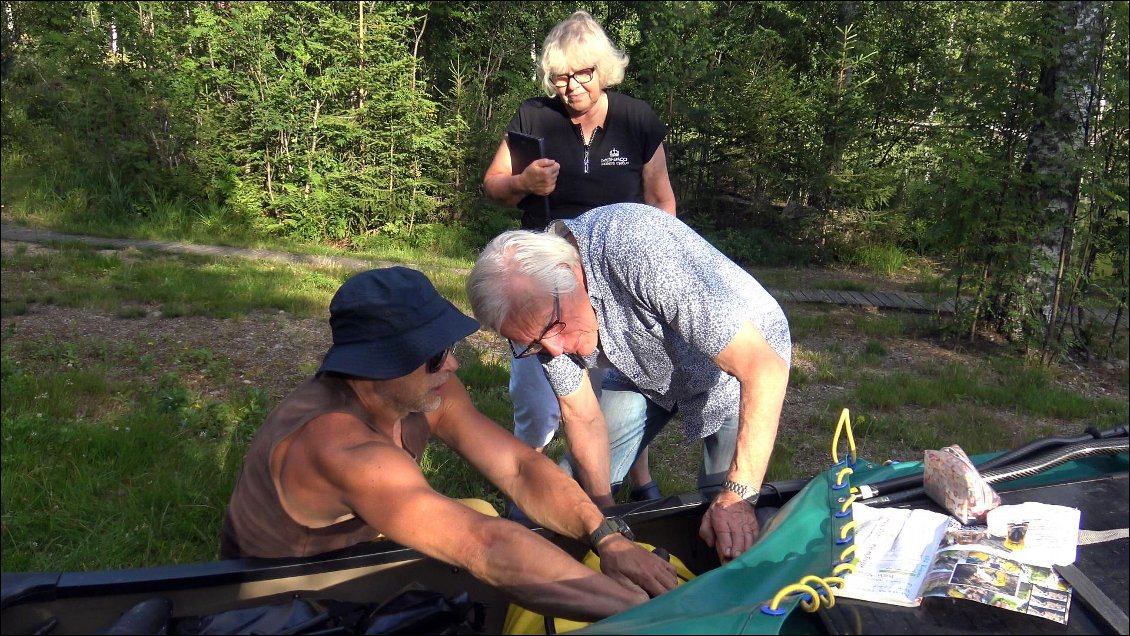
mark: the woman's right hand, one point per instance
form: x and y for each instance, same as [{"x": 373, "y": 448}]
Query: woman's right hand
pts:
[{"x": 540, "y": 177}]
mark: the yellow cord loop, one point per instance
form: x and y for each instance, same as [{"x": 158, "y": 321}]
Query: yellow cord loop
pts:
[
  {"x": 835, "y": 581},
  {"x": 787, "y": 591},
  {"x": 818, "y": 590},
  {"x": 844, "y": 425},
  {"x": 828, "y": 596}
]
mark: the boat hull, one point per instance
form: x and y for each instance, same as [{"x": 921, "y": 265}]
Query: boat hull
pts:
[{"x": 85, "y": 602}]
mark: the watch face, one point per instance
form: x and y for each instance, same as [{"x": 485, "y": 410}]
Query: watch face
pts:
[
  {"x": 610, "y": 526},
  {"x": 622, "y": 527}
]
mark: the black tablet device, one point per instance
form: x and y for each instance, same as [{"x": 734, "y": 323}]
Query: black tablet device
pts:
[{"x": 524, "y": 150}]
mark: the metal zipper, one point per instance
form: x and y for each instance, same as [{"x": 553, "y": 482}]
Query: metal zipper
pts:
[{"x": 587, "y": 144}]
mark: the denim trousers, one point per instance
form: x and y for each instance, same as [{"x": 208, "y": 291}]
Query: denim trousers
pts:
[
  {"x": 536, "y": 412},
  {"x": 537, "y": 415},
  {"x": 634, "y": 420}
]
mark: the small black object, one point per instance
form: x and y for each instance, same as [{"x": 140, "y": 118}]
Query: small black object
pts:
[
  {"x": 150, "y": 616},
  {"x": 524, "y": 150}
]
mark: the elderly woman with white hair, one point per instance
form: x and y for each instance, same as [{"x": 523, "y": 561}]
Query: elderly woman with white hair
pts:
[{"x": 601, "y": 147}]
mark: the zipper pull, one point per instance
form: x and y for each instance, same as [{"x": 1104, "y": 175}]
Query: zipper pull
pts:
[{"x": 588, "y": 144}]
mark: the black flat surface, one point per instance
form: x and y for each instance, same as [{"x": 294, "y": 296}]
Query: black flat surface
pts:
[{"x": 1104, "y": 506}]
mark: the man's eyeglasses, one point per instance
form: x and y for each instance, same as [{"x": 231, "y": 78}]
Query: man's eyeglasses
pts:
[
  {"x": 554, "y": 327},
  {"x": 583, "y": 76},
  {"x": 435, "y": 363}
]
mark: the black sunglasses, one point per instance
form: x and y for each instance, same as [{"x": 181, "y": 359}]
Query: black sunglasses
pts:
[
  {"x": 554, "y": 327},
  {"x": 435, "y": 363}
]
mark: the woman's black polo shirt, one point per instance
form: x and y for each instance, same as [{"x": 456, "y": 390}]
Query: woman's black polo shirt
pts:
[{"x": 609, "y": 170}]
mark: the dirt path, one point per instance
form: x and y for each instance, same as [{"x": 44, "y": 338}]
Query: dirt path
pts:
[{"x": 274, "y": 352}]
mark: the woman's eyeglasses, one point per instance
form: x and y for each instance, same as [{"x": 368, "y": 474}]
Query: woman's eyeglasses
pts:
[
  {"x": 583, "y": 76},
  {"x": 435, "y": 363},
  {"x": 554, "y": 327}
]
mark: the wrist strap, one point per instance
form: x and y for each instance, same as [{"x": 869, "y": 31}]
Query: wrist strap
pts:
[
  {"x": 745, "y": 492},
  {"x": 611, "y": 525}
]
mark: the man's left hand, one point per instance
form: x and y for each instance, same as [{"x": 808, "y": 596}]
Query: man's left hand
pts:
[
  {"x": 729, "y": 526},
  {"x": 631, "y": 565}
]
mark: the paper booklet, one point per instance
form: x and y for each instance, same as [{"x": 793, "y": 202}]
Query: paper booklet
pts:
[{"x": 908, "y": 555}]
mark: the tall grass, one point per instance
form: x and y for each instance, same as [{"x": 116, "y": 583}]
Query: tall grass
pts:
[
  {"x": 884, "y": 260},
  {"x": 123, "y": 453},
  {"x": 104, "y": 202},
  {"x": 101, "y": 471}
]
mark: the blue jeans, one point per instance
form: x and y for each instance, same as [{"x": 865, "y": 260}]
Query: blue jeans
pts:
[
  {"x": 536, "y": 411},
  {"x": 634, "y": 420}
]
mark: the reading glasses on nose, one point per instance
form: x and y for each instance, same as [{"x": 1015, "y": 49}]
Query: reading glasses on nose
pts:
[
  {"x": 554, "y": 327},
  {"x": 583, "y": 76}
]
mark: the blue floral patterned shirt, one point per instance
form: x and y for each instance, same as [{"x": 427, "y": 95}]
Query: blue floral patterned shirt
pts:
[{"x": 667, "y": 302}]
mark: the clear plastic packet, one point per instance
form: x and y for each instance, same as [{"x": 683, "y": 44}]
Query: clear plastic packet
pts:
[{"x": 952, "y": 481}]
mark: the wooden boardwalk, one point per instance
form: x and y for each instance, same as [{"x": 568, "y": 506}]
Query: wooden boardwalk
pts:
[
  {"x": 880, "y": 300},
  {"x": 903, "y": 301}
]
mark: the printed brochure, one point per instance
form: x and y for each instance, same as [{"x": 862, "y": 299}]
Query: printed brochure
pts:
[{"x": 906, "y": 555}]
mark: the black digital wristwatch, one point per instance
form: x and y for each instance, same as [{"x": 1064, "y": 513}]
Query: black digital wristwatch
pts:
[{"x": 611, "y": 525}]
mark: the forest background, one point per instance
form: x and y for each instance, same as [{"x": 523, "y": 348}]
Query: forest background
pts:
[{"x": 988, "y": 137}]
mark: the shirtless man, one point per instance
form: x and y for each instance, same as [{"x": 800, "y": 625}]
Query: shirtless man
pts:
[{"x": 337, "y": 463}]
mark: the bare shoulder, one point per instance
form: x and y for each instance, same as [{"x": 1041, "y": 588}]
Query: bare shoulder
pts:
[
  {"x": 455, "y": 405},
  {"x": 335, "y": 460},
  {"x": 344, "y": 453},
  {"x": 344, "y": 437}
]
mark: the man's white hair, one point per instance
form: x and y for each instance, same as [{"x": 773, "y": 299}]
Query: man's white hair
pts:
[{"x": 518, "y": 271}]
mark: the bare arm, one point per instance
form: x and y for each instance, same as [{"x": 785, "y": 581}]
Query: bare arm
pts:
[
  {"x": 586, "y": 432},
  {"x": 730, "y": 525},
  {"x": 539, "y": 178},
  {"x": 379, "y": 482},
  {"x": 543, "y": 491},
  {"x": 657, "y": 190},
  {"x": 525, "y": 566}
]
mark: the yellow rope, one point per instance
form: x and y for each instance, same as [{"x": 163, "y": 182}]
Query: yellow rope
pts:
[
  {"x": 845, "y": 425},
  {"x": 830, "y": 596},
  {"x": 788, "y": 590},
  {"x": 809, "y": 584}
]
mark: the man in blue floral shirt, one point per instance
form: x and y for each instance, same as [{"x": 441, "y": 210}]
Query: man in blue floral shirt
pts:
[{"x": 682, "y": 328}]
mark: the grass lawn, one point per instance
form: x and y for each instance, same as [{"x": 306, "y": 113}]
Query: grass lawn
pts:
[{"x": 132, "y": 382}]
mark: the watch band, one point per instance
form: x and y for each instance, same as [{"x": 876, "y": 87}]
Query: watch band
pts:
[
  {"x": 743, "y": 491},
  {"x": 611, "y": 525}
]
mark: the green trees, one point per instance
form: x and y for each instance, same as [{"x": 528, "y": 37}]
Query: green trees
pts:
[
  {"x": 1005, "y": 185},
  {"x": 990, "y": 137}
]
